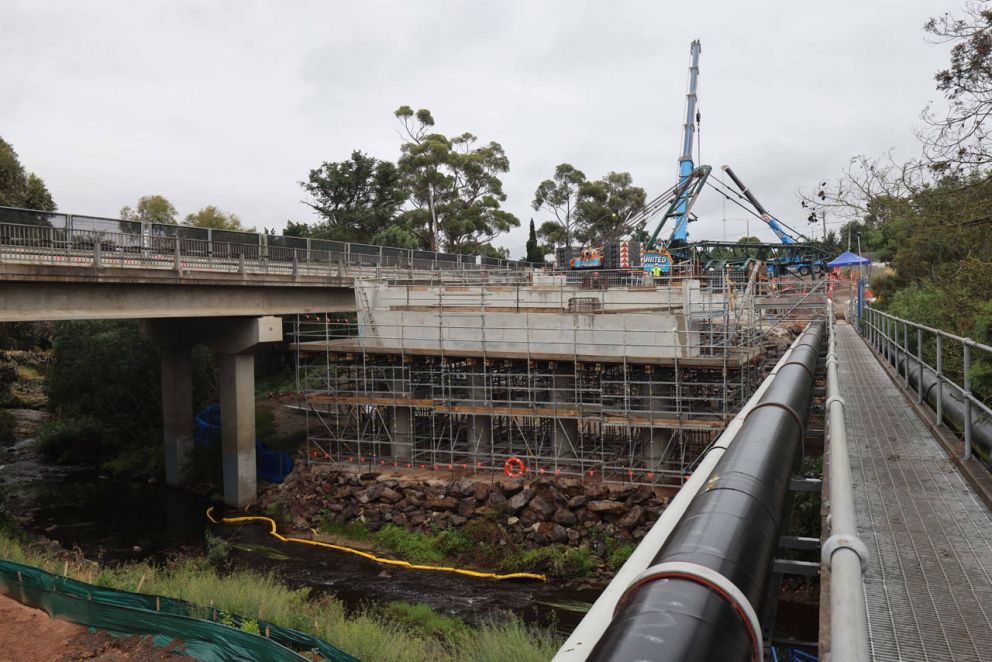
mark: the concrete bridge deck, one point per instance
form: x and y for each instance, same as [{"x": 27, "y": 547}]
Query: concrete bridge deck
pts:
[{"x": 929, "y": 582}]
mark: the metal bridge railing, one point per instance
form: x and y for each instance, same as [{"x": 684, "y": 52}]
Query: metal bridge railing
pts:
[
  {"x": 940, "y": 363},
  {"x": 54, "y": 238}
]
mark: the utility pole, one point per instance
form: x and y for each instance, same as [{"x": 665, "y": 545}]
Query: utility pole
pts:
[{"x": 823, "y": 213}]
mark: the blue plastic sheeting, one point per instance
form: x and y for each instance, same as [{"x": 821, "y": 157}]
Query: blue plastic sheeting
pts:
[{"x": 271, "y": 466}]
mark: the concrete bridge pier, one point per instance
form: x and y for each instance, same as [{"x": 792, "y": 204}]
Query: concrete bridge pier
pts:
[
  {"x": 233, "y": 339},
  {"x": 565, "y": 429},
  {"x": 401, "y": 423},
  {"x": 480, "y": 426}
]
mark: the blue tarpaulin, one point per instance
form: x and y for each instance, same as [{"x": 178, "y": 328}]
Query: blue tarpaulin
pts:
[
  {"x": 272, "y": 466},
  {"x": 848, "y": 259}
]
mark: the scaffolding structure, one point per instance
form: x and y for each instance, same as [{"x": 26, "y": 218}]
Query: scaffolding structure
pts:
[{"x": 622, "y": 377}]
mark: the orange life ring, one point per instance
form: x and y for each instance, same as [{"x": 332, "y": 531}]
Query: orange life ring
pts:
[{"x": 513, "y": 461}]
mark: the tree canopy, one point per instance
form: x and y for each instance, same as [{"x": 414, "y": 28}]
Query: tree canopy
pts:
[
  {"x": 605, "y": 207},
  {"x": 19, "y": 188},
  {"x": 215, "y": 219},
  {"x": 358, "y": 201},
  {"x": 559, "y": 196},
  {"x": 454, "y": 186},
  {"x": 150, "y": 209}
]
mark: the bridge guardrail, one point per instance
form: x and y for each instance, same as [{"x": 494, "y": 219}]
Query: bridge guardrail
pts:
[
  {"x": 931, "y": 367},
  {"x": 53, "y": 238}
]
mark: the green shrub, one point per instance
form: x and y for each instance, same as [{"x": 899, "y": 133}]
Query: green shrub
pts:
[
  {"x": 72, "y": 440},
  {"x": 218, "y": 549}
]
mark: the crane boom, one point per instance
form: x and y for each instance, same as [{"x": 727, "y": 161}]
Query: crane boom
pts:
[
  {"x": 776, "y": 226},
  {"x": 686, "y": 166}
]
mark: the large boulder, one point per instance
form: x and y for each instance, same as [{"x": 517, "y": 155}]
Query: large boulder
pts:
[
  {"x": 541, "y": 507},
  {"x": 519, "y": 500},
  {"x": 605, "y": 507}
]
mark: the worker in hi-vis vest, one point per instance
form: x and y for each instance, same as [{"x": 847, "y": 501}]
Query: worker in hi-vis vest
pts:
[{"x": 656, "y": 271}]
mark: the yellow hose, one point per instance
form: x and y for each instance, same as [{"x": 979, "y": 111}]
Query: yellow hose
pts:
[{"x": 372, "y": 557}]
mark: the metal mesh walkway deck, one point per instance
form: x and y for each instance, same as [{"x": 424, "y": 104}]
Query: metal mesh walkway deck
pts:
[{"x": 929, "y": 584}]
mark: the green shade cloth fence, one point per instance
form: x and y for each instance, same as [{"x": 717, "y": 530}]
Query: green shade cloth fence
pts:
[{"x": 166, "y": 619}]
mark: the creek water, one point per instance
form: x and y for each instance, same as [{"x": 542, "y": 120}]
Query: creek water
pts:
[{"x": 112, "y": 520}]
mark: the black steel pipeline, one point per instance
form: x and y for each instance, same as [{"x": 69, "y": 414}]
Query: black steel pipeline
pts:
[
  {"x": 731, "y": 527},
  {"x": 952, "y": 402}
]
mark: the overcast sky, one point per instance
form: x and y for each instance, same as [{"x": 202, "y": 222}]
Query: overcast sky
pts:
[{"x": 232, "y": 103}]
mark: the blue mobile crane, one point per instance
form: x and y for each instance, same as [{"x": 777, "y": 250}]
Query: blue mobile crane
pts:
[
  {"x": 800, "y": 256},
  {"x": 691, "y": 180}
]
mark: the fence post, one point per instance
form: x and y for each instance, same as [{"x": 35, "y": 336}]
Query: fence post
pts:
[
  {"x": 296, "y": 264},
  {"x": 967, "y": 400},
  {"x": 919, "y": 364},
  {"x": 905, "y": 353},
  {"x": 177, "y": 264},
  {"x": 940, "y": 379},
  {"x": 241, "y": 261},
  {"x": 98, "y": 254}
]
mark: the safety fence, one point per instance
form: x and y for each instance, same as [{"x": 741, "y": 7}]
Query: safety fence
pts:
[
  {"x": 199, "y": 628},
  {"x": 940, "y": 367}
]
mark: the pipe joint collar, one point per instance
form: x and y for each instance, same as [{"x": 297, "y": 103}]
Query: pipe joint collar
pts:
[
  {"x": 712, "y": 580},
  {"x": 836, "y": 398},
  {"x": 839, "y": 541}
]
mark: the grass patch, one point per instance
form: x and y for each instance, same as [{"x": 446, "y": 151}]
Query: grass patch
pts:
[
  {"x": 556, "y": 560},
  {"x": 351, "y": 530},
  {"x": 400, "y": 634},
  {"x": 422, "y": 619}
]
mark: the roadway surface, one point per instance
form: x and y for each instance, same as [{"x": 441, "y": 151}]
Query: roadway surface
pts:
[{"x": 929, "y": 582}]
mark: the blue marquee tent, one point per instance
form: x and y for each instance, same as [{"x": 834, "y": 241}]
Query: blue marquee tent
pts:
[{"x": 848, "y": 259}]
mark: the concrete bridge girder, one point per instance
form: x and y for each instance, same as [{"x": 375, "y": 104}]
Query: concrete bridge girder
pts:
[{"x": 234, "y": 339}]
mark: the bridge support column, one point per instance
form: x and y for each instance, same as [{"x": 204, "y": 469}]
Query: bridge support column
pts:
[
  {"x": 654, "y": 442},
  {"x": 480, "y": 427},
  {"x": 402, "y": 433},
  {"x": 177, "y": 412},
  {"x": 401, "y": 420},
  {"x": 233, "y": 339},
  {"x": 564, "y": 431},
  {"x": 237, "y": 422}
]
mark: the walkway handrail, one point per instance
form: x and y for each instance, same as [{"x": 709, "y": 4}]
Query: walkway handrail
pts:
[
  {"x": 843, "y": 552},
  {"x": 890, "y": 335}
]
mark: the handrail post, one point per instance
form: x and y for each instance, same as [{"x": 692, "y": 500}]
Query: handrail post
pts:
[
  {"x": 905, "y": 351},
  {"x": 177, "y": 263},
  {"x": 940, "y": 379},
  {"x": 967, "y": 400},
  {"x": 919, "y": 365},
  {"x": 98, "y": 253}
]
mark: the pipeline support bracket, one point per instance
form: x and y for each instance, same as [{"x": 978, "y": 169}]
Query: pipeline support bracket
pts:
[
  {"x": 840, "y": 541},
  {"x": 707, "y": 577}
]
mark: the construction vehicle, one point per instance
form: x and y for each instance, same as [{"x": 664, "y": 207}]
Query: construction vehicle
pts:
[
  {"x": 801, "y": 256},
  {"x": 589, "y": 258}
]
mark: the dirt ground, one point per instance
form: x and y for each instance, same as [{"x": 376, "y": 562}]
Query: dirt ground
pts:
[{"x": 29, "y": 635}]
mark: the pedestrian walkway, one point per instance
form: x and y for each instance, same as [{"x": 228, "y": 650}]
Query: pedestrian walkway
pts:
[{"x": 929, "y": 582}]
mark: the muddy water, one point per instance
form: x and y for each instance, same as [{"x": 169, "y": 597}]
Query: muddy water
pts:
[{"x": 114, "y": 521}]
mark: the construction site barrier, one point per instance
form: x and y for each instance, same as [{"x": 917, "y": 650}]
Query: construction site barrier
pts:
[
  {"x": 372, "y": 557},
  {"x": 165, "y": 619}
]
